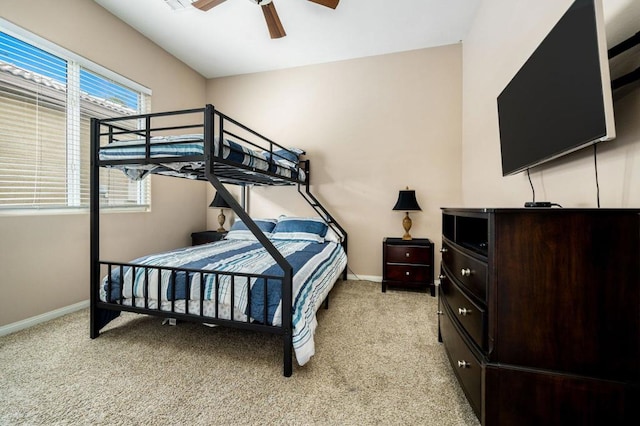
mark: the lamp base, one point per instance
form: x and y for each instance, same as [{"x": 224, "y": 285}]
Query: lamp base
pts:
[
  {"x": 406, "y": 224},
  {"x": 221, "y": 219}
]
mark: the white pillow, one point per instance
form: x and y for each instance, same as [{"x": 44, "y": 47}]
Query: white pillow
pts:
[{"x": 332, "y": 236}]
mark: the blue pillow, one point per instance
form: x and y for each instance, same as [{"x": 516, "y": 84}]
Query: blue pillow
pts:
[
  {"x": 236, "y": 151},
  {"x": 300, "y": 228},
  {"x": 240, "y": 231},
  {"x": 287, "y": 155}
]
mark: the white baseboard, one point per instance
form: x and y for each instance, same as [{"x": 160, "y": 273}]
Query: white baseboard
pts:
[
  {"x": 373, "y": 278},
  {"x": 377, "y": 279},
  {"x": 30, "y": 322}
]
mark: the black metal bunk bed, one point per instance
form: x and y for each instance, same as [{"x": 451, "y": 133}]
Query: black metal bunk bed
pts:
[{"x": 210, "y": 165}]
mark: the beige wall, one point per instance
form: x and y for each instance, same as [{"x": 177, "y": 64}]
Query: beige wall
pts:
[
  {"x": 44, "y": 259},
  {"x": 503, "y": 36},
  {"x": 371, "y": 127}
]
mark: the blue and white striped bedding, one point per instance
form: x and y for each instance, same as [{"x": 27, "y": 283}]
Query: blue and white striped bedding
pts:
[
  {"x": 185, "y": 146},
  {"x": 316, "y": 267}
]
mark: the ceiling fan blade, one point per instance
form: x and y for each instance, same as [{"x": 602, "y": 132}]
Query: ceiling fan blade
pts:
[
  {"x": 329, "y": 3},
  {"x": 276, "y": 30},
  {"x": 207, "y": 4}
]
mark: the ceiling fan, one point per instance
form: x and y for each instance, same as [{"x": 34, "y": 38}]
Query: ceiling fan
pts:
[{"x": 276, "y": 30}]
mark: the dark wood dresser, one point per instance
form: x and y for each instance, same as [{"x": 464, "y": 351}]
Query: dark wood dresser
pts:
[
  {"x": 407, "y": 263},
  {"x": 540, "y": 313}
]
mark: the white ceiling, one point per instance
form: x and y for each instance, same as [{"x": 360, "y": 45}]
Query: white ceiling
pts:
[
  {"x": 232, "y": 38},
  {"x": 622, "y": 19}
]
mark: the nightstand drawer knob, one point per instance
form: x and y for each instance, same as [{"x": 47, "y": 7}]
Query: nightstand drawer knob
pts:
[
  {"x": 407, "y": 273},
  {"x": 407, "y": 254},
  {"x": 464, "y": 311},
  {"x": 443, "y": 250},
  {"x": 465, "y": 272},
  {"x": 463, "y": 364}
]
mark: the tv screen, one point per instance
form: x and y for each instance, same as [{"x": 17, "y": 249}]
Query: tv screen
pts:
[{"x": 560, "y": 100}]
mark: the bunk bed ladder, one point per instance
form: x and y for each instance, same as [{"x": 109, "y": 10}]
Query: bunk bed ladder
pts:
[
  {"x": 321, "y": 211},
  {"x": 287, "y": 279}
]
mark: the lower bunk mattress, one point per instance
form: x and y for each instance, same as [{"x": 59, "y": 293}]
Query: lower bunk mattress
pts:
[{"x": 240, "y": 293}]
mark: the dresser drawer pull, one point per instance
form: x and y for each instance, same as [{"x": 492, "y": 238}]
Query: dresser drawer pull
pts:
[
  {"x": 444, "y": 250},
  {"x": 464, "y": 311},
  {"x": 463, "y": 364},
  {"x": 407, "y": 254},
  {"x": 465, "y": 272},
  {"x": 407, "y": 273}
]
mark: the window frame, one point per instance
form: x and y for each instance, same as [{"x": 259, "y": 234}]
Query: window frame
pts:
[{"x": 75, "y": 63}]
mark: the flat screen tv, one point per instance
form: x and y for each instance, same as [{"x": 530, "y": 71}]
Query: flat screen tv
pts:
[{"x": 560, "y": 100}]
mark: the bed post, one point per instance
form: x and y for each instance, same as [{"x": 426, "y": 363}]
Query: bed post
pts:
[
  {"x": 94, "y": 213},
  {"x": 287, "y": 318}
]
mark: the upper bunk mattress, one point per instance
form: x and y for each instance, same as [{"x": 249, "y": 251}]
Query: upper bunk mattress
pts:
[{"x": 189, "y": 147}]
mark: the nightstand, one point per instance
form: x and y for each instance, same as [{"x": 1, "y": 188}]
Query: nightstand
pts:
[
  {"x": 204, "y": 237},
  {"x": 408, "y": 263}
]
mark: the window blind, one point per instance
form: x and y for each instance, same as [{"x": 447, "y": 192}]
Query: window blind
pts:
[
  {"x": 103, "y": 98},
  {"x": 46, "y": 103},
  {"x": 32, "y": 125}
]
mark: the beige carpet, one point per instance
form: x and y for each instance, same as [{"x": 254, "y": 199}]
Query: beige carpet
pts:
[{"x": 377, "y": 361}]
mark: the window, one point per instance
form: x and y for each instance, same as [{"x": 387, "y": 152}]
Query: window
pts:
[{"x": 47, "y": 98}]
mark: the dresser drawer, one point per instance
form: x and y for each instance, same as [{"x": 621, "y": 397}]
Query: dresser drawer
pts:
[
  {"x": 467, "y": 270},
  {"x": 463, "y": 361},
  {"x": 407, "y": 273},
  {"x": 470, "y": 316},
  {"x": 408, "y": 254}
]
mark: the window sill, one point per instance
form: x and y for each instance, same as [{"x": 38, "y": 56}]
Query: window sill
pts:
[{"x": 70, "y": 211}]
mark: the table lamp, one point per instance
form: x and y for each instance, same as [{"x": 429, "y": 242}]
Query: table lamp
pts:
[
  {"x": 218, "y": 201},
  {"x": 407, "y": 202}
]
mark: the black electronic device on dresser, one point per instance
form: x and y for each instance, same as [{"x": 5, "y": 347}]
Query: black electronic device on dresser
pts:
[
  {"x": 539, "y": 313},
  {"x": 408, "y": 263},
  {"x": 204, "y": 237}
]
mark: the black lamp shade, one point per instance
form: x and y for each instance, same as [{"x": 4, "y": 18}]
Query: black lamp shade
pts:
[
  {"x": 218, "y": 201},
  {"x": 407, "y": 201}
]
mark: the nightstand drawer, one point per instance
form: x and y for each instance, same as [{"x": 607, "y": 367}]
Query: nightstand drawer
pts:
[
  {"x": 407, "y": 263},
  {"x": 408, "y": 254},
  {"x": 407, "y": 273}
]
